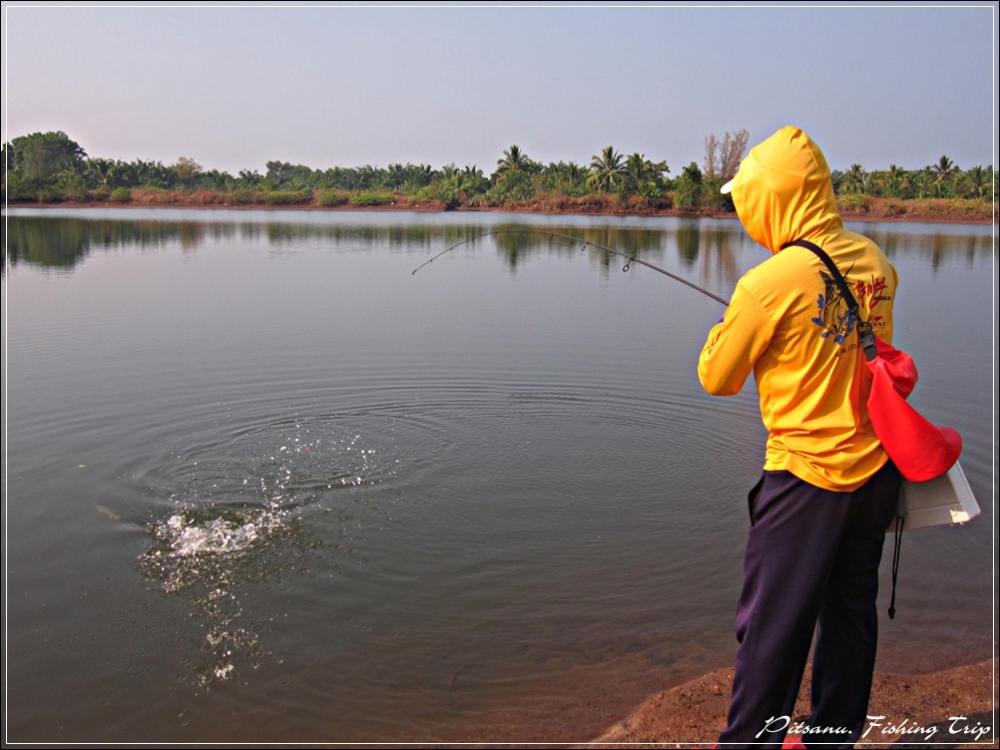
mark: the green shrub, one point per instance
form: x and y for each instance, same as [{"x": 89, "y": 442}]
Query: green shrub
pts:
[
  {"x": 71, "y": 186},
  {"x": 690, "y": 186},
  {"x": 244, "y": 196},
  {"x": 512, "y": 187},
  {"x": 331, "y": 198},
  {"x": 970, "y": 204},
  {"x": 19, "y": 188},
  {"x": 893, "y": 208},
  {"x": 50, "y": 195},
  {"x": 855, "y": 202},
  {"x": 286, "y": 197},
  {"x": 688, "y": 194},
  {"x": 121, "y": 195},
  {"x": 373, "y": 199},
  {"x": 654, "y": 195},
  {"x": 445, "y": 192},
  {"x": 100, "y": 193}
]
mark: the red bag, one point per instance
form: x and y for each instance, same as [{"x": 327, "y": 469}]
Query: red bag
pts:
[{"x": 920, "y": 450}]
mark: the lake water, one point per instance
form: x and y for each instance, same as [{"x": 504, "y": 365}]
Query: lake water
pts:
[{"x": 264, "y": 484}]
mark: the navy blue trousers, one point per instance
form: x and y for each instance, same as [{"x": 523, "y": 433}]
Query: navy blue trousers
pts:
[{"x": 811, "y": 560}]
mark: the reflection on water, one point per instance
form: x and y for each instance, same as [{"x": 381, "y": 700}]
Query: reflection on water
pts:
[
  {"x": 62, "y": 242},
  {"x": 276, "y": 478}
]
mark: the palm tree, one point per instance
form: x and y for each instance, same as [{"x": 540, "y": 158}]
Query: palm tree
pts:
[
  {"x": 894, "y": 180},
  {"x": 944, "y": 167},
  {"x": 575, "y": 173},
  {"x": 856, "y": 179},
  {"x": 923, "y": 180},
  {"x": 99, "y": 170},
  {"x": 472, "y": 180},
  {"x": 977, "y": 180},
  {"x": 942, "y": 171},
  {"x": 638, "y": 170},
  {"x": 566, "y": 176},
  {"x": 606, "y": 169},
  {"x": 514, "y": 160},
  {"x": 366, "y": 176}
]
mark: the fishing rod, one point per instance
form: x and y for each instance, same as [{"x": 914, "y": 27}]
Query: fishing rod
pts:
[{"x": 629, "y": 259}]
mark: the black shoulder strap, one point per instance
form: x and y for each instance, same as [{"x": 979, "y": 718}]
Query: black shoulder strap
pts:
[
  {"x": 838, "y": 277},
  {"x": 865, "y": 333}
]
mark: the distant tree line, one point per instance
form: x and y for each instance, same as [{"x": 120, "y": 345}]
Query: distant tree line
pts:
[
  {"x": 943, "y": 179},
  {"x": 51, "y": 167}
]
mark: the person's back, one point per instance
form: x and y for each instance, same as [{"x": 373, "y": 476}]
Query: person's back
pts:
[
  {"x": 790, "y": 325},
  {"x": 819, "y": 512}
]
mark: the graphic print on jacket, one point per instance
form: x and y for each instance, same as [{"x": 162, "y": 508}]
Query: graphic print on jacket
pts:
[{"x": 835, "y": 317}]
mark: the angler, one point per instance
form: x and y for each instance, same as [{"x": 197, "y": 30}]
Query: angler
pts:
[{"x": 809, "y": 330}]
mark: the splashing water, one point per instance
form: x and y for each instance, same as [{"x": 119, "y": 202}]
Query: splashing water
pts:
[
  {"x": 208, "y": 557},
  {"x": 217, "y": 537},
  {"x": 238, "y": 507},
  {"x": 185, "y": 539}
]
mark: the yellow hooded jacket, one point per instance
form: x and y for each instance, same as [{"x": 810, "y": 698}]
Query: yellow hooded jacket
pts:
[{"x": 788, "y": 323}]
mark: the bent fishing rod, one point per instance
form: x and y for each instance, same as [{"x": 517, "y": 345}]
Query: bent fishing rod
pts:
[{"x": 629, "y": 259}]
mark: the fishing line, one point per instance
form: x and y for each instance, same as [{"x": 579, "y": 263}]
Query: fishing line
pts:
[{"x": 629, "y": 259}]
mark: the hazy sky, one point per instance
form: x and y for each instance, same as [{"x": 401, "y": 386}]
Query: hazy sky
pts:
[{"x": 235, "y": 87}]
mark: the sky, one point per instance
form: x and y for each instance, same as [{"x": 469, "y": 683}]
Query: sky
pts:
[{"x": 235, "y": 87}]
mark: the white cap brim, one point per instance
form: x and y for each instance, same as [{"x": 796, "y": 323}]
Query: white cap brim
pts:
[{"x": 728, "y": 187}]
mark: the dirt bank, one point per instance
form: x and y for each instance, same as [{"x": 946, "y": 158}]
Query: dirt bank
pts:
[
  {"x": 872, "y": 214},
  {"x": 694, "y": 712}
]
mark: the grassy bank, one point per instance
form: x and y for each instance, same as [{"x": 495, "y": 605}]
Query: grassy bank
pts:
[{"x": 976, "y": 210}]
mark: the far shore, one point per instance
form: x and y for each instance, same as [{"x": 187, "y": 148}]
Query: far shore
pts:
[{"x": 436, "y": 207}]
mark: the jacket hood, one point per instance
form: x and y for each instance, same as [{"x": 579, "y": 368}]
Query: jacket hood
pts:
[{"x": 783, "y": 192}]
